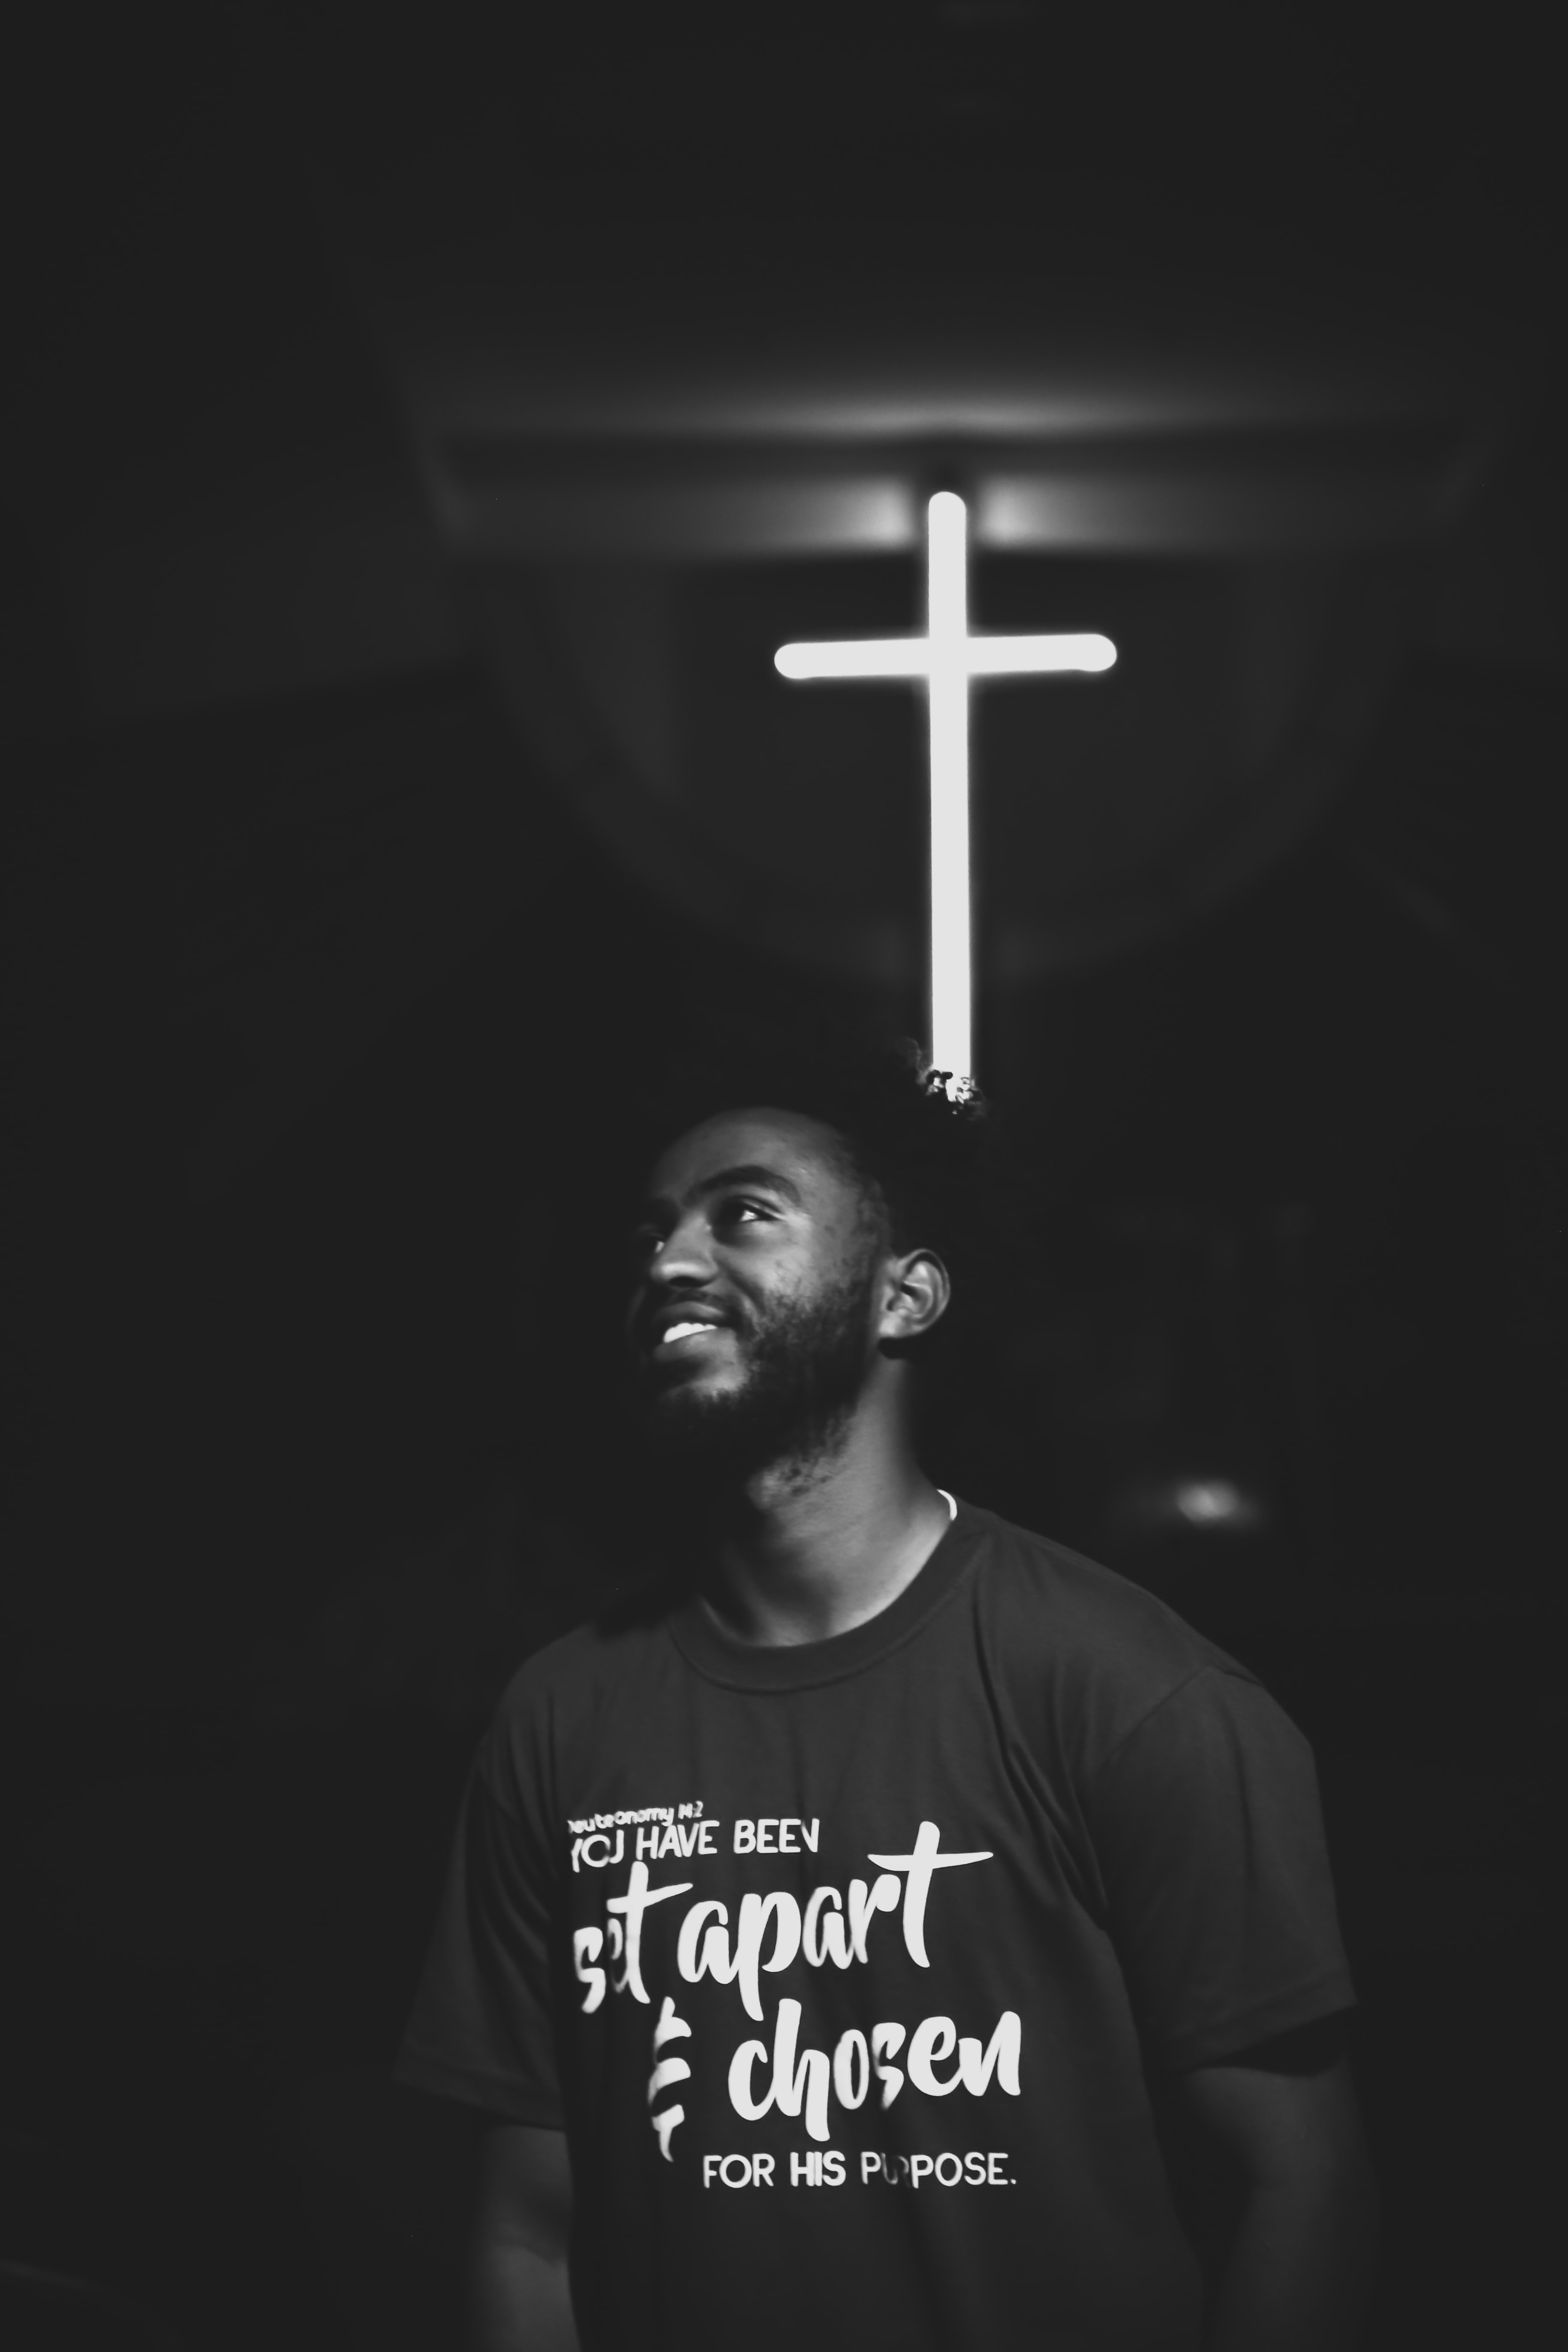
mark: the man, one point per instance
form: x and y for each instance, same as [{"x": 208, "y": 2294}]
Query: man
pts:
[{"x": 845, "y": 1937}]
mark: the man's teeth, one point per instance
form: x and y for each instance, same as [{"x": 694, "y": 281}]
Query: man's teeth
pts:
[{"x": 685, "y": 1331}]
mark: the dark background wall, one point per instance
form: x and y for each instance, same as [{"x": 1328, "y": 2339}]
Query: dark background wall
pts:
[{"x": 320, "y": 1006}]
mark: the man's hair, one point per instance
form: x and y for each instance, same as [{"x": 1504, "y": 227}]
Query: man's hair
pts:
[{"x": 923, "y": 1149}]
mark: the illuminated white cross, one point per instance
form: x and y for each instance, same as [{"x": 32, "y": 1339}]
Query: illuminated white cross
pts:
[{"x": 947, "y": 658}]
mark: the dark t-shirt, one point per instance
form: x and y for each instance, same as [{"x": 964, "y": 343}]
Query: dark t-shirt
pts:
[{"x": 845, "y": 1966}]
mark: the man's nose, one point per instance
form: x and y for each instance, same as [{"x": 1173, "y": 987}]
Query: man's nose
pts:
[{"x": 684, "y": 1256}]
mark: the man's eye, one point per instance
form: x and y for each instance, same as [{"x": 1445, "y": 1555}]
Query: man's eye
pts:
[{"x": 738, "y": 1212}]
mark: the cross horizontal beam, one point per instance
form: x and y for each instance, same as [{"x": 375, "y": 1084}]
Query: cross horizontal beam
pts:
[{"x": 975, "y": 657}]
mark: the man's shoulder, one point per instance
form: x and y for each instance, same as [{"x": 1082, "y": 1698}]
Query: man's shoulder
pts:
[
  {"x": 592, "y": 1663},
  {"x": 568, "y": 1699},
  {"x": 1078, "y": 1639}
]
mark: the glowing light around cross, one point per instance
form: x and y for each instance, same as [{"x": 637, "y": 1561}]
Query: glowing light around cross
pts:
[{"x": 947, "y": 658}]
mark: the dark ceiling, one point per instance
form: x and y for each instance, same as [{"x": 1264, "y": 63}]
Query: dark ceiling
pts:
[{"x": 190, "y": 395}]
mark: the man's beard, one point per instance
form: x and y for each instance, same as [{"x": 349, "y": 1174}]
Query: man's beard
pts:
[{"x": 805, "y": 1362}]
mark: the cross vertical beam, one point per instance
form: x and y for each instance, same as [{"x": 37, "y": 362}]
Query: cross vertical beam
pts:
[
  {"x": 951, "y": 960},
  {"x": 947, "y": 658}
]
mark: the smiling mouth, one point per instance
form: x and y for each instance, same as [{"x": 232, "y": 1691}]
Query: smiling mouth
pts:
[{"x": 687, "y": 1335}]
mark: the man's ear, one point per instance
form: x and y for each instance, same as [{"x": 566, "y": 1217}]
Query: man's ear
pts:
[{"x": 916, "y": 1290}]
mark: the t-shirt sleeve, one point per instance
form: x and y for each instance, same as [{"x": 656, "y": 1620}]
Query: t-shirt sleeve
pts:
[
  {"x": 481, "y": 2029},
  {"x": 1209, "y": 1839}
]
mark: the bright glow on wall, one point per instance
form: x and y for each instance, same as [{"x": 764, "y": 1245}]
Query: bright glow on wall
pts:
[
  {"x": 1215, "y": 1503},
  {"x": 947, "y": 658}
]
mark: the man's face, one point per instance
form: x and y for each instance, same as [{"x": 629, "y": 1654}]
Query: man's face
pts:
[{"x": 752, "y": 1323}]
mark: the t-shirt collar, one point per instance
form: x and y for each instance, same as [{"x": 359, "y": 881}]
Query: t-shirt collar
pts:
[{"x": 797, "y": 1665}]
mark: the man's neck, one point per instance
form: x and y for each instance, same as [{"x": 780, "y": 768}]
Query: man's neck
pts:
[{"x": 810, "y": 1549}]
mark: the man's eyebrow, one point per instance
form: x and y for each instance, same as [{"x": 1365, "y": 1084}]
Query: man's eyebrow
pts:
[
  {"x": 751, "y": 1171},
  {"x": 725, "y": 1180}
]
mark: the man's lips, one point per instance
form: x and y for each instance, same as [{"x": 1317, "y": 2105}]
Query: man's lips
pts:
[
  {"x": 677, "y": 1334},
  {"x": 681, "y": 1336}
]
